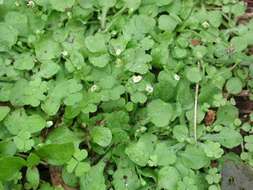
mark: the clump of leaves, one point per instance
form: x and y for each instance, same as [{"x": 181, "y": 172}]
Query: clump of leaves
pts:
[{"x": 115, "y": 93}]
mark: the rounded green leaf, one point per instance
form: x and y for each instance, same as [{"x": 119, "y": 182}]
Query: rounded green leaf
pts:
[
  {"x": 234, "y": 85},
  {"x": 96, "y": 43},
  {"x": 24, "y": 61},
  {"x": 101, "y": 136},
  {"x": 140, "y": 152},
  {"x": 8, "y": 36},
  {"x": 33, "y": 177},
  {"x": 56, "y": 154},
  {"x": 167, "y": 23},
  {"x": 168, "y": 178},
  {"x": 193, "y": 74},
  {"x": 194, "y": 157},
  {"x": 62, "y": 5},
  {"x": 9, "y": 166},
  {"x": 160, "y": 112}
]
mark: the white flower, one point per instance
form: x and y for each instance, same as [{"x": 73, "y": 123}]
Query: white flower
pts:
[
  {"x": 30, "y": 3},
  {"x": 17, "y": 4},
  {"x": 137, "y": 78},
  {"x": 37, "y": 31},
  {"x": 176, "y": 77},
  {"x": 49, "y": 123},
  {"x": 205, "y": 24},
  {"x": 69, "y": 14},
  {"x": 131, "y": 10},
  {"x": 149, "y": 88},
  {"x": 93, "y": 88},
  {"x": 114, "y": 32},
  {"x": 64, "y": 53},
  {"x": 118, "y": 51}
]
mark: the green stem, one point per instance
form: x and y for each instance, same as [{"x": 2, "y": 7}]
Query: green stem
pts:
[
  {"x": 196, "y": 110},
  {"x": 114, "y": 19},
  {"x": 103, "y": 18}
]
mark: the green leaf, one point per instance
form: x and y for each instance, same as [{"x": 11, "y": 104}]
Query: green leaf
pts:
[
  {"x": 17, "y": 20},
  {"x": 160, "y": 112},
  {"x": 100, "y": 61},
  {"x": 106, "y": 3},
  {"x": 139, "y": 25},
  {"x": 181, "y": 133},
  {"x": 101, "y": 135},
  {"x": 9, "y": 166},
  {"x": 23, "y": 141},
  {"x": 140, "y": 151},
  {"x": 62, "y": 5},
  {"x": 56, "y": 154},
  {"x": 163, "y": 2},
  {"x": 65, "y": 89},
  {"x": 82, "y": 168},
  {"x": 132, "y": 4},
  {"x": 168, "y": 178},
  {"x": 62, "y": 135},
  {"x": 249, "y": 142},
  {"x": 4, "y": 110},
  {"x": 33, "y": 177},
  {"x": 226, "y": 115},
  {"x": 137, "y": 61},
  {"x": 28, "y": 92},
  {"x": 48, "y": 69},
  {"x": 94, "y": 179},
  {"x": 239, "y": 43},
  {"x": 162, "y": 155},
  {"x": 229, "y": 138},
  {"x": 234, "y": 85},
  {"x": 24, "y": 61},
  {"x": 18, "y": 121},
  {"x": 96, "y": 43},
  {"x": 199, "y": 52},
  {"x": 8, "y": 36},
  {"x": 123, "y": 176},
  {"x": 47, "y": 49},
  {"x": 32, "y": 160},
  {"x": 194, "y": 157},
  {"x": 213, "y": 149},
  {"x": 7, "y": 148},
  {"x": 167, "y": 23},
  {"x": 193, "y": 74}
]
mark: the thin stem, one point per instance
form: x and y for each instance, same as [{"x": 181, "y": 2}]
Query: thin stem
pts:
[
  {"x": 196, "y": 109},
  {"x": 114, "y": 19},
  {"x": 103, "y": 18}
]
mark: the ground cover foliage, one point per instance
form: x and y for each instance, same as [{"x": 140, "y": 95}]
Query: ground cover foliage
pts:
[{"x": 124, "y": 94}]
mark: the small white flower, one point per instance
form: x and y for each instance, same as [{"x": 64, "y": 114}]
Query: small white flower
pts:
[
  {"x": 49, "y": 123},
  {"x": 64, "y": 53},
  {"x": 205, "y": 24},
  {"x": 114, "y": 32},
  {"x": 176, "y": 77},
  {"x": 137, "y": 78},
  {"x": 69, "y": 14},
  {"x": 143, "y": 129},
  {"x": 118, "y": 51},
  {"x": 17, "y": 4},
  {"x": 93, "y": 88},
  {"x": 38, "y": 31},
  {"x": 131, "y": 10},
  {"x": 30, "y": 3},
  {"x": 149, "y": 88}
]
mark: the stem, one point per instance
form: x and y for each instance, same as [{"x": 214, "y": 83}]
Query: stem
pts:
[
  {"x": 196, "y": 110},
  {"x": 103, "y": 18},
  {"x": 115, "y": 17}
]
